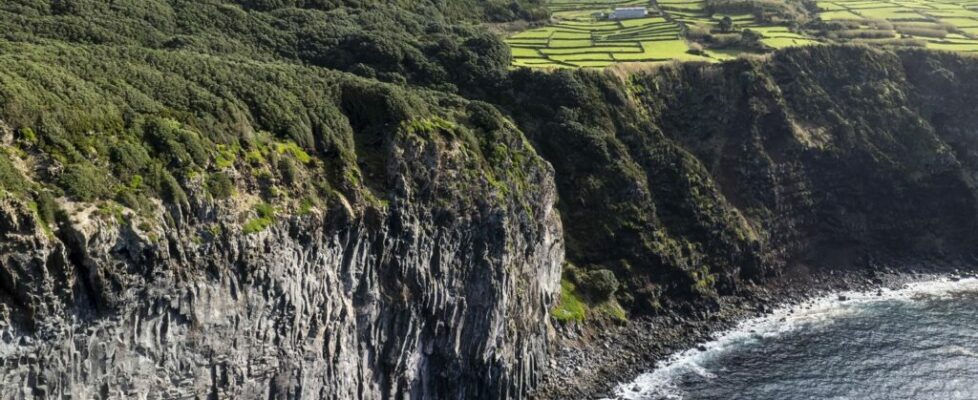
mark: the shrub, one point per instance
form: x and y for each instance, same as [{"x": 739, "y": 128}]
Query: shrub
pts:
[
  {"x": 136, "y": 182},
  {"x": 10, "y": 178},
  {"x": 265, "y": 210},
  {"x": 610, "y": 309},
  {"x": 863, "y": 34},
  {"x": 750, "y": 39},
  {"x": 27, "y": 135},
  {"x": 923, "y": 32},
  {"x": 128, "y": 158},
  {"x": 599, "y": 285},
  {"x": 181, "y": 147},
  {"x": 698, "y": 33},
  {"x": 47, "y": 207},
  {"x": 168, "y": 188},
  {"x": 226, "y": 156},
  {"x": 726, "y": 24},
  {"x": 427, "y": 125},
  {"x": 290, "y": 173},
  {"x": 485, "y": 116},
  {"x": 220, "y": 185},
  {"x": 839, "y": 25},
  {"x": 904, "y": 42},
  {"x": 255, "y": 225},
  {"x": 255, "y": 158},
  {"x": 305, "y": 207},
  {"x": 127, "y": 198},
  {"x": 84, "y": 182},
  {"x": 880, "y": 24},
  {"x": 725, "y": 41}
]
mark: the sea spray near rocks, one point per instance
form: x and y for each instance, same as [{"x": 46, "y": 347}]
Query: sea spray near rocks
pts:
[{"x": 669, "y": 379}]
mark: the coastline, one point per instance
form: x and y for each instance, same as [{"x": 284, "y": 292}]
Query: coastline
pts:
[{"x": 590, "y": 362}]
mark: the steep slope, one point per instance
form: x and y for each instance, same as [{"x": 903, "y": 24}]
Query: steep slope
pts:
[
  {"x": 356, "y": 199},
  {"x": 690, "y": 180},
  {"x": 837, "y": 138},
  {"x": 414, "y": 254},
  {"x": 707, "y": 189}
]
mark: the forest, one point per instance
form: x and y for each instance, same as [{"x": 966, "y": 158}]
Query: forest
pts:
[{"x": 129, "y": 100}]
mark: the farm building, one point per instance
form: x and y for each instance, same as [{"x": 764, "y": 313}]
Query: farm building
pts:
[{"x": 628, "y": 13}]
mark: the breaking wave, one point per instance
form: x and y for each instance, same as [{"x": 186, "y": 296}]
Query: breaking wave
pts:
[{"x": 696, "y": 373}]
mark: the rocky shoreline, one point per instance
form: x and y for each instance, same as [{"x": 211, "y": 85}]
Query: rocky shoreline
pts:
[{"x": 588, "y": 362}]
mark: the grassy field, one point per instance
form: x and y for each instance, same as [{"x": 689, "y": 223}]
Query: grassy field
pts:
[
  {"x": 950, "y": 25},
  {"x": 581, "y": 36}
]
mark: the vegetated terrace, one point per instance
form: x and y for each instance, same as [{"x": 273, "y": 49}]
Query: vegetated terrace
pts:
[
  {"x": 937, "y": 24},
  {"x": 580, "y": 35}
]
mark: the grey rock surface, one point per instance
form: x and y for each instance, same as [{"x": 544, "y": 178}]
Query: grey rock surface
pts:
[{"x": 339, "y": 304}]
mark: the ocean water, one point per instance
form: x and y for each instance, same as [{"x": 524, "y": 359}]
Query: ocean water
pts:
[{"x": 920, "y": 342}]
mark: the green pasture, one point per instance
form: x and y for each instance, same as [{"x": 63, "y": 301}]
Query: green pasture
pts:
[
  {"x": 950, "y": 25},
  {"x": 580, "y": 31},
  {"x": 580, "y": 38}
]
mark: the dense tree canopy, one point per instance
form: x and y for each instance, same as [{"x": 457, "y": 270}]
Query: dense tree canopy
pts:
[
  {"x": 133, "y": 100},
  {"x": 423, "y": 42}
]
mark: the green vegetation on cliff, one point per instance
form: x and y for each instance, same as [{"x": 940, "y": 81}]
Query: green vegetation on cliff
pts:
[
  {"x": 689, "y": 181},
  {"x": 676, "y": 186},
  {"x": 294, "y": 104},
  {"x": 570, "y": 307}
]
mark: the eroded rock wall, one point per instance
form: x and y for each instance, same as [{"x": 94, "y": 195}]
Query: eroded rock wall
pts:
[{"x": 417, "y": 299}]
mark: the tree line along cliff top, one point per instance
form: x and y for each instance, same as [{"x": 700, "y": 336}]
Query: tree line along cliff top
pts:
[{"x": 277, "y": 105}]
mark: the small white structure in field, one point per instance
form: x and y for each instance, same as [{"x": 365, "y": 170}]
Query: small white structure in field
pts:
[{"x": 628, "y": 13}]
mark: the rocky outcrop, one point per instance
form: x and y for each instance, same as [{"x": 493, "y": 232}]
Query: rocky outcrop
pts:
[{"x": 422, "y": 298}]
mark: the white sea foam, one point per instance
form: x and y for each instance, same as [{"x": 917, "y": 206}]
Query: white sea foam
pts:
[{"x": 661, "y": 382}]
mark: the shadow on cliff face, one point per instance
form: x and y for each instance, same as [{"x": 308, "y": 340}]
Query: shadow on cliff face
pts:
[{"x": 690, "y": 179}]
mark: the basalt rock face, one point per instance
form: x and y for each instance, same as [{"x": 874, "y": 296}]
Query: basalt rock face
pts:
[{"x": 429, "y": 296}]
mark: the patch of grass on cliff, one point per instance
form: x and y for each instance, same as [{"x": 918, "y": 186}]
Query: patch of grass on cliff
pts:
[
  {"x": 266, "y": 217},
  {"x": 293, "y": 149},
  {"x": 589, "y": 295},
  {"x": 571, "y": 307},
  {"x": 226, "y": 156},
  {"x": 610, "y": 308}
]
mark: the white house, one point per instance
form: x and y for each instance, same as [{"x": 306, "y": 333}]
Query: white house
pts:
[{"x": 628, "y": 13}]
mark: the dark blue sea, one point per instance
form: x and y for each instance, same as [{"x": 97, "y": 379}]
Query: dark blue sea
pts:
[{"x": 920, "y": 342}]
